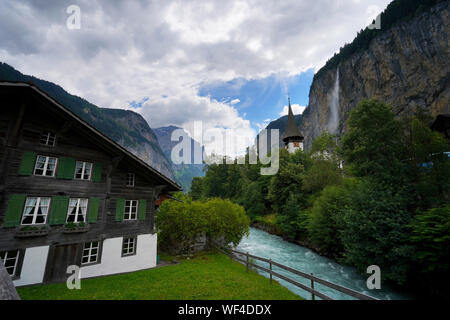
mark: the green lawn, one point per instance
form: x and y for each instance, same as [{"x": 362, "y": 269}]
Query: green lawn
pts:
[{"x": 207, "y": 276}]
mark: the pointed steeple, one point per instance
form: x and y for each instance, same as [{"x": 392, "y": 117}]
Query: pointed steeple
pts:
[{"x": 292, "y": 132}]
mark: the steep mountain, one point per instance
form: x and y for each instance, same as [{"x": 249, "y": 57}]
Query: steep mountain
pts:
[
  {"x": 405, "y": 64},
  {"x": 127, "y": 128},
  {"x": 183, "y": 172}
]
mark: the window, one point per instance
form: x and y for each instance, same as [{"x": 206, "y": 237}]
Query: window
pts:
[
  {"x": 129, "y": 246},
  {"x": 131, "y": 178},
  {"x": 90, "y": 252},
  {"x": 9, "y": 260},
  {"x": 45, "y": 166},
  {"x": 48, "y": 138},
  {"x": 77, "y": 210},
  {"x": 130, "y": 210},
  {"x": 83, "y": 170},
  {"x": 35, "y": 211}
]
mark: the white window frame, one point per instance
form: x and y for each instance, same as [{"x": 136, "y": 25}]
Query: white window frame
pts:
[
  {"x": 3, "y": 260},
  {"x": 131, "y": 177},
  {"x": 129, "y": 212},
  {"x": 83, "y": 170},
  {"x": 127, "y": 249},
  {"x": 47, "y": 158},
  {"x": 47, "y": 137},
  {"x": 35, "y": 210},
  {"x": 87, "y": 252},
  {"x": 77, "y": 213}
]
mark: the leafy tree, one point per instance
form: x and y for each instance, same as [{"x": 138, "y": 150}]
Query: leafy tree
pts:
[
  {"x": 431, "y": 235},
  {"x": 253, "y": 200},
  {"x": 373, "y": 145},
  {"x": 431, "y": 238},
  {"x": 196, "y": 191},
  {"x": 428, "y": 169},
  {"x": 322, "y": 173},
  {"x": 227, "y": 221},
  {"x": 377, "y": 231},
  {"x": 181, "y": 224},
  {"x": 287, "y": 180},
  {"x": 293, "y": 220},
  {"x": 327, "y": 217}
]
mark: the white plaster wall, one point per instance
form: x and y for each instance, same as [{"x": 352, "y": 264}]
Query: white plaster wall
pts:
[
  {"x": 33, "y": 267},
  {"x": 291, "y": 148},
  {"x": 113, "y": 262}
]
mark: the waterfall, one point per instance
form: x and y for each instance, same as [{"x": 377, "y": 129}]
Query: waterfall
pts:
[{"x": 333, "y": 118}]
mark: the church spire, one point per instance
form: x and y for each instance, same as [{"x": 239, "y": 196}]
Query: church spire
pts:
[{"x": 292, "y": 137}]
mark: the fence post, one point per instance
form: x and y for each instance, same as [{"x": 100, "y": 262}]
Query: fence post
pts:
[
  {"x": 312, "y": 287},
  {"x": 247, "y": 261},
  {"x": 270, "y": 265}
]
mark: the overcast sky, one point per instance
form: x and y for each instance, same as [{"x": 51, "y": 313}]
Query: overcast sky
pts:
[{"x": 227, "y": 63}]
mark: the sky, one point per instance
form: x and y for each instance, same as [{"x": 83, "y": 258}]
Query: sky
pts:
[{"x": 229, "y": 64}]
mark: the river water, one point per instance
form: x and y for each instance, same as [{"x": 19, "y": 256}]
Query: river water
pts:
[{"x": 263, "y": 244}]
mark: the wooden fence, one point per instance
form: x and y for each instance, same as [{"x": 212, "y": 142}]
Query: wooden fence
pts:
[{"x": 237, "y": 255}]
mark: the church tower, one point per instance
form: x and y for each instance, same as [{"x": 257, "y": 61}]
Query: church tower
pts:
[{"x": 292, "y": 138}]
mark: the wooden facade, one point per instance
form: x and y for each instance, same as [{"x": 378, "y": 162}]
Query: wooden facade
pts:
[{"x": 26, "y": 116}]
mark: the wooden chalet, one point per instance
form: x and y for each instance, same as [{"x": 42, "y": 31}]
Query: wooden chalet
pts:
[{"x": 69, "y": 195}]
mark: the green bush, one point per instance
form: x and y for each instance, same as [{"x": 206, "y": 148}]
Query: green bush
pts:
[{"x": 180, "y": 224}]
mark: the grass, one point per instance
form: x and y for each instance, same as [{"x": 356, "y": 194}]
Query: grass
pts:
[{"x": 208, "y": 276}]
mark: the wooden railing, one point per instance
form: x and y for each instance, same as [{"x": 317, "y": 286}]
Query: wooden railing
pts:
[{"x": 234, "y": 254}]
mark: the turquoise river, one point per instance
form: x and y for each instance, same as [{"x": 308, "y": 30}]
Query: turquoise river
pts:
[{"x": 263, "y": 244}]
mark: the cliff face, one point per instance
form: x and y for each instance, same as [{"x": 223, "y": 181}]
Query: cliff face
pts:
[
  {"x": 183, "y": 172},
  {"x": 141, "y": 141},
  {"x": 406, "y": 66}
]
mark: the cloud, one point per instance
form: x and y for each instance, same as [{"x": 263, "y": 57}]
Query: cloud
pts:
[
  {"x": 234, "y": 101},
  {"x": 127, "y": 51},
  {"x": 296, "y": 109}
]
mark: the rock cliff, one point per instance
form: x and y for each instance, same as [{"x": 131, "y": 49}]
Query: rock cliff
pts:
[{"x": 406, "y": 66}]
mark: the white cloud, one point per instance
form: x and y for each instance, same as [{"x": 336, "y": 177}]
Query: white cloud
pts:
[
  {"x": 129, "y": 50},
  {"x": 296, "y": 109},
  {"x": 234, "y": 101}
]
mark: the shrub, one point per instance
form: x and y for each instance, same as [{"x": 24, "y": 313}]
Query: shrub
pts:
[{"x": 180, "y": 224}]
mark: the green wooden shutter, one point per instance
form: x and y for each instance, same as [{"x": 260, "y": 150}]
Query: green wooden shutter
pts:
[
  {"x": 58, "y": 211},
  {"x": 142, "y": 209},
  {"x": 27, "y": 164},
  {"x": 120, "y": 206},
  {"x": 93, "y": 209},
  {"x": 97, "y": 175},
  {"x": 66, "y": 168},
  {"x": 14, "y": 211}
]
